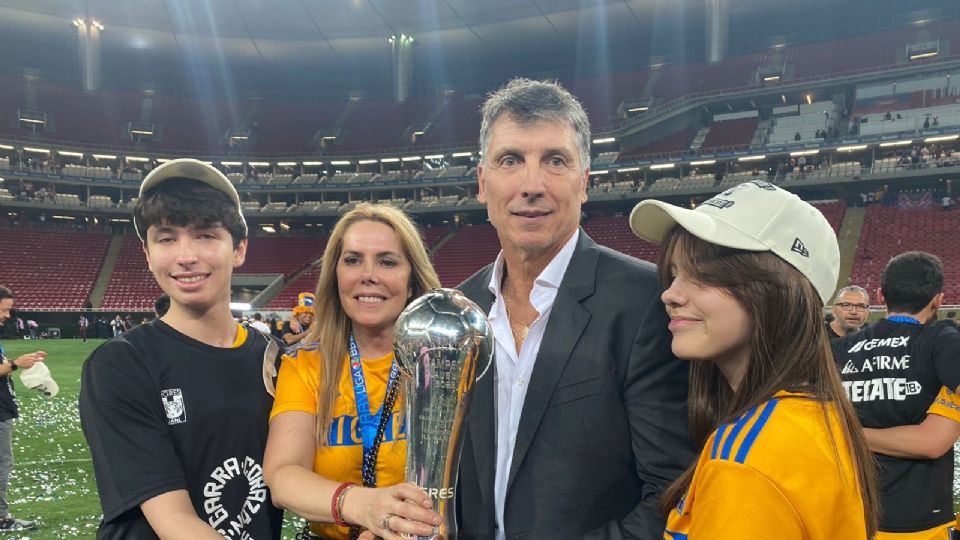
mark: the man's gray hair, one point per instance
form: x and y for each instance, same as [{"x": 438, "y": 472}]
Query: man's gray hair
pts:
[
  {"x": 528, "y": 101},
  {"x": 852, "y": 289}
]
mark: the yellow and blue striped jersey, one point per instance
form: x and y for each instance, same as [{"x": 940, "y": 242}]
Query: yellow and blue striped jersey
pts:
[
  {"x": 947, "y": 404},
  {"x": 776, "y": 473}
]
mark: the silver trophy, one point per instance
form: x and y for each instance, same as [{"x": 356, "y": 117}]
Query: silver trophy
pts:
[{"x": 443, "y": 345}]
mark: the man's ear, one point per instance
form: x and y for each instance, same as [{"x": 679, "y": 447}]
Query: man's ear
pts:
[
  {"x": 240, "y": 253},
  {"x": 482, "y": 183}
]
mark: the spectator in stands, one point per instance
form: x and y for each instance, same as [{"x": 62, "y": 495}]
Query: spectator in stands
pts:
[
  {"x": 259, "y": 324},
  {"x": 926, "y": 123},
  {"x": 376, "y": 264},
  {"x": 298, "y": 326},
  {"x": 555, "y": 298},
  {"x": 946, "y": 202},
  {"x": 82, "y": 323},
  {"x": 916, "y": 495},
  {"x": 8, "y": 411},
  {"x": 851, "y": 307},
  {"x": 796, "y": 136},
  {"x": 161, "y": 305},
  {"x": 936, "y": 121},
  {"x": 160, "y": 471},
  {"x": 888, "y": 116}
]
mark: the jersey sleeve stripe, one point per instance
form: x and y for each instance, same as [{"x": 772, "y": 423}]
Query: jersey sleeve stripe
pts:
[
  {"x": 670, "y": 535},
  {"x": 755, "y": 430},
  {"x": 737, "y": 428},
  {"x": 716, "y": 439}
]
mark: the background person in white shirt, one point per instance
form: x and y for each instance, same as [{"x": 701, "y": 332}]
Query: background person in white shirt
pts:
[{"x": 259, "y": 324}]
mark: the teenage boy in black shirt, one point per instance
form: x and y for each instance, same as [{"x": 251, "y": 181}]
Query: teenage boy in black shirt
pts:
[
  {"x": 893, "y": 371},
  {"x": 175, "y": 411}
]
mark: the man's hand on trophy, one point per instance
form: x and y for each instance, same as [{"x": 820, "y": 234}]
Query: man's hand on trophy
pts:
[{"x": 391, "y": 513}]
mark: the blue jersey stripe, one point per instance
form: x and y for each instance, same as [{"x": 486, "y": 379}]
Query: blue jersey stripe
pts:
[
  {"x": 674, "y": 535},
  {"x": 755, "y": 430},
  {"x": 728, "y": 445},
  {"x": 716, "y": 440}
]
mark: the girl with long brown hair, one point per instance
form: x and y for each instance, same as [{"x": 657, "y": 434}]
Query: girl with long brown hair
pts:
[{"x": 747, "y": 274}]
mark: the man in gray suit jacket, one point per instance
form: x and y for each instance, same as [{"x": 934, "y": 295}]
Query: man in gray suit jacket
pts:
[{"x": 584, "y": 423}]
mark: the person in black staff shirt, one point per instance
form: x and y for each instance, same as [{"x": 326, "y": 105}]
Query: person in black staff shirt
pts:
[
  {"x": 9, "y": 411},
  {"x": 297, "y": 327},
  {"x": 175, "y": 411},
  {"x": 892, "y": 371},
  {"x": 850, "y": 310}
]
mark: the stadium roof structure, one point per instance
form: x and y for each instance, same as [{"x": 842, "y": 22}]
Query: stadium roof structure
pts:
[{"x": 238, "y": 48}]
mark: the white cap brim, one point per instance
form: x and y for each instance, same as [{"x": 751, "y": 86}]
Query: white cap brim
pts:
[{"x": 652, "y": 220}]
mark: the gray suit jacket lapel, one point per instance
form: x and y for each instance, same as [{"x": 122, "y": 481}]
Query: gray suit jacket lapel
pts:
[
  {"x": 568, "y": 319},
  {"x": 482, "y": 416}
]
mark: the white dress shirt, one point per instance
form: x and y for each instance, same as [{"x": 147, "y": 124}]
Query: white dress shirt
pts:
[{"x": 514, "y": 367}]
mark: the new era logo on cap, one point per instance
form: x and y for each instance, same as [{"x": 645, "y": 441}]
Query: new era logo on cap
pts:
[{"x": 798, "y": 247}]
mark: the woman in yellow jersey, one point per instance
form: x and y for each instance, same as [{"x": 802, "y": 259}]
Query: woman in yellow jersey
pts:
[
  {"x": 336, "y": 452},
  {"x": 782, "y": 453}
]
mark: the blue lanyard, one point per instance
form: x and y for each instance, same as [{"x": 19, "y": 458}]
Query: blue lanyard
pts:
[
  {"x": 903, "y": 319},
  {"x": 368, "y": 422}
]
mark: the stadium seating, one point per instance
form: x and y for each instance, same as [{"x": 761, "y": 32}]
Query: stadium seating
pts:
[
  {"x": 281, "y": 255},
  {"x": 673, "y": 143},
  {"x": 47, "y": 269},
  {"x": 615, "y": 233},
  {"x": 730, "y": 134},
  {"x": 888, "y": 231},
  {"x": 468, "y": 251},
  {"x": 132, "y": 286},
  {"x": 809, "y": 120}
]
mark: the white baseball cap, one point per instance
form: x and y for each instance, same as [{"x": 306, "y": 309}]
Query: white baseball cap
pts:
[
  {"x": 193, "y": 169},
  {"x": 37, "y": 377},
  {"x": 754, "y": 216}
]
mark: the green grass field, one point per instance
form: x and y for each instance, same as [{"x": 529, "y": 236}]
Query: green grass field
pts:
[{"x": 53, "y": 478}]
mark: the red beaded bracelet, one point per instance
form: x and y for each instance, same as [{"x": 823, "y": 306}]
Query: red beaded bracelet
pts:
[{"x": 336, "y": 503}]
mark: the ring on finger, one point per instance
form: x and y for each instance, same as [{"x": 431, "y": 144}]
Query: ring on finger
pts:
[{"x": 385, "y": 522}]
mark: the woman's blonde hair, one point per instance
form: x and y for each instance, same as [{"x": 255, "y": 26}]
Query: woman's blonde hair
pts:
[{"x": 331, "y": 328}]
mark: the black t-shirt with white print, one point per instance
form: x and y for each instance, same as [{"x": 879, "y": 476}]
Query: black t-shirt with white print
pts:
[
  {"x": 892, "y": 371},
  {"x": 163, "y": 412}
]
